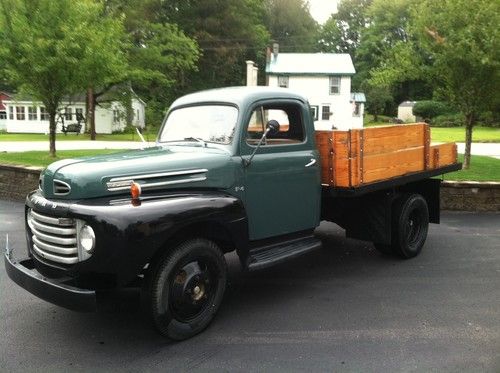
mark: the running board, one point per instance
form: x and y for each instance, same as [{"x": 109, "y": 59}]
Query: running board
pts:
[{"x": 266, "y": 256}]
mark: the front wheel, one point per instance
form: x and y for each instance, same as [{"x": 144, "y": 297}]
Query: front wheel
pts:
[{"x": 185, "y": 288}]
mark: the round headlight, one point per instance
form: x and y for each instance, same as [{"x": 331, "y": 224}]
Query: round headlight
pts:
[{"x": 87, "y": 238}]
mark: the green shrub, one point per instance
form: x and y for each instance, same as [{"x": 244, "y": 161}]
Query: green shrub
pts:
[
  {"x": 449, "y": 120},
  {"x": 431, "y": 109},
  {"x": 489, "y": 119}
]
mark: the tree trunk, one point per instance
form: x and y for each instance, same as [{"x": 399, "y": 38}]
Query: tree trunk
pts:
[
  {"x": 91, "y": 112},
  {"x": 375, "y": 117},
  {"x": 469, "y": 123},
  {"x": 52, "y": 133}
]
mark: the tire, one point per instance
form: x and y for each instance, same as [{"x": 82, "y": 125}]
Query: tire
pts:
[
  {"x": 184, "y": 290},
  {"x": 410, "y": 225}
]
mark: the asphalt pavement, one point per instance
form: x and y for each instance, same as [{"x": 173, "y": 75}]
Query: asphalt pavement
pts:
[{"x": 344, "y": 307}]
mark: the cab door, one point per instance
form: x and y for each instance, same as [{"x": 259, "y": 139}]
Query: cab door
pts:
[{"x": 282, "y": 182}]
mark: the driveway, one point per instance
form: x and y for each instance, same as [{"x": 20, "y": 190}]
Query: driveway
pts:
[{"x": 342, "y": 308}]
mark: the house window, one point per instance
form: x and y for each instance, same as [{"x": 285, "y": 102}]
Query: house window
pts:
[
  {"x": 325, "y": 112},
  {"x": 3, "y": 115},
  {"x": 20, "y": 113},
  {"x": 32, "y": 114},
  {"x": 68, "y": 113},
  {"x": 314, "y": 112},
  {"x": 283, "y": 81},
  {"x": 357, "y": 109},
  {"x": 116, "y": 116},
  {"x": 334, "y": 85},
  {"x": 43, "y": 113},
  {"x": 11, "y": 112},
  {"x": 79, "y": 114}
]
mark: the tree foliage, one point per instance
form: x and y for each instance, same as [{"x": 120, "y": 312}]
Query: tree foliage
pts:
[
  {"x": 52, "y": 49},
  {"x": 457, "y": 49},
  {"x": 228, "y": 32},
  {"x": 342, "y": 31},
  {"x": 291, "y": 25}
]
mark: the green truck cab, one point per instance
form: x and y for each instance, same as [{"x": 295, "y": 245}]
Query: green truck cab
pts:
[{"x": 234, "y": 169}]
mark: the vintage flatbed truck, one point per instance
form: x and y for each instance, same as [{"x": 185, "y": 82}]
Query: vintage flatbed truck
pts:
[{"x": 234, "y": 169}]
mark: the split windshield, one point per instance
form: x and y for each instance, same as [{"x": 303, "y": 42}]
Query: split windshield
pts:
[{"x": 206, "y": 123}]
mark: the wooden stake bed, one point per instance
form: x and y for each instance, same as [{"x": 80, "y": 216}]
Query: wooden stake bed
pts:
[{"x": 362, "y": 156}]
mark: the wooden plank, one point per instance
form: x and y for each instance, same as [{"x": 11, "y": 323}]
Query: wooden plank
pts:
[
  {"x": 389, "y": 139},
  {"x": 389, "y": 165},
  {"x": 443, "y": 155}
]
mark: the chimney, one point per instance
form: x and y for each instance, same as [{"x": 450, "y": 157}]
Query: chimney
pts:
[
  {"x": 276, "y": 50},
  {"x": 252, "y": 71}
]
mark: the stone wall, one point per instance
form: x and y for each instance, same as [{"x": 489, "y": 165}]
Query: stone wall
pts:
[
  {"x": 470, "y": 196},
  {"x": 16, "y": 182}
]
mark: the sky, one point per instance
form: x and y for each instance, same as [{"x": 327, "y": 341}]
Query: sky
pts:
[{"x": 322, "y": 9}]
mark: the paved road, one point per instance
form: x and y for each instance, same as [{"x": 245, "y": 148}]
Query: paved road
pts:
[{"x": 342, "y": 308}]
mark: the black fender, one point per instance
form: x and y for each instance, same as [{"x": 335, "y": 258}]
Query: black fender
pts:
[{"x": 129, "y": 233}]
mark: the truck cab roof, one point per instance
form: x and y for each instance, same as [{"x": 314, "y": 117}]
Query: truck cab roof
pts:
[{"x": 239, "y": 96}]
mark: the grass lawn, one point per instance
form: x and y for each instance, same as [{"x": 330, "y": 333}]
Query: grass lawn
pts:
[
  {"x": 42, "y": 158},
  {"x": 457, "y": 134},
  {"x": 481, "y": 169},
  {"x": 74, "y": 137}
]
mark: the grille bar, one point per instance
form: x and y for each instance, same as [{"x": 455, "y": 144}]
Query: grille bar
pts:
[
  {"x": 54, "y": 239},
  {"x": 55, "y": 258}
]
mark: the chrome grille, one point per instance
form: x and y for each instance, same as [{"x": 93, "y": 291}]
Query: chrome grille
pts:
[
  {"x": 61, "y": 188},
  {"x": 53, "y": 238}
]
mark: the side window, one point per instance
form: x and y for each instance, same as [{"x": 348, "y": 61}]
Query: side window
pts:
[
  {"x": 314, "y": 111},
  {"x": 289, "y": 116}
]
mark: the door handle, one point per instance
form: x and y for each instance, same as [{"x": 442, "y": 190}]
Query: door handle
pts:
[{"x": 312, "y": 163}]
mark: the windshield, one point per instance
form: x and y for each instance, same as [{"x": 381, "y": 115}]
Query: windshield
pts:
[{"x": 210, "y": 123}]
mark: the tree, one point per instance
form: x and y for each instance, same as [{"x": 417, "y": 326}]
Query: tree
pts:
[
  {"x": 387, "y": 27},
  {"x": 291, "y": 25},
  {"x": 377, "y": 99},
  {"x": 160, "y": 57},
  {"x": 457, "y": 48},
  {"x": 341, "y": 33},
  {"x": 53, "y": 49},
  {"x": 461, "y": 40},
  {"x": 228, "y": 32}
]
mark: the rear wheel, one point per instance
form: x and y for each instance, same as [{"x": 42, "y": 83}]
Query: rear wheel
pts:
[
  {"x": 410, "y": 223},
  {"x": 185, "y": 289}
]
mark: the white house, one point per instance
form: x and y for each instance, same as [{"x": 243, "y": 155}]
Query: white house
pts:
[
  {"x": 23, "y": 115},
  {"x": 325, "y": 79}
]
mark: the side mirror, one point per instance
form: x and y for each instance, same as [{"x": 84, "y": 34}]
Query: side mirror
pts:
[{"x": 273, "y": 127}]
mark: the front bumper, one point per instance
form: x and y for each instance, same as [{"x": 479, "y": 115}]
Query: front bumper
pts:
[{"x": 56, "y": 291}]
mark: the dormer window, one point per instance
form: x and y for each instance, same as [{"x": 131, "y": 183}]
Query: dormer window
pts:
[
  {"x": 283, "y": 81},
  {"x": 335, "y": 85}
]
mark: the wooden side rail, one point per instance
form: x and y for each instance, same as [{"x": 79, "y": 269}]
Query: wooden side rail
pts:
[{"x": 362, "y": 156}]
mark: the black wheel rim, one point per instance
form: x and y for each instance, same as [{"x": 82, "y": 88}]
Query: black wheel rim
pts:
[
  {"x": 414, "y": 227},
  {"x": 192, "y": 289}
]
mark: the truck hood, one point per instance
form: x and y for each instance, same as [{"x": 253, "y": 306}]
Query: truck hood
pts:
[{"x": 154, "y": 169}]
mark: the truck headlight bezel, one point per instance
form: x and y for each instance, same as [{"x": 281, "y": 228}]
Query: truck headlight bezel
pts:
[{"x": 85, "y": 240}]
